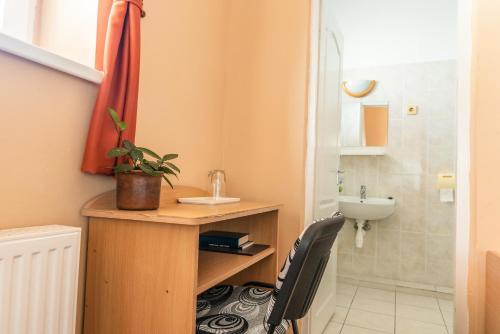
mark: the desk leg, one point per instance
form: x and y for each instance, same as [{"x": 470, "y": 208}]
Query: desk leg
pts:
[{"x": 141, "y": 277}]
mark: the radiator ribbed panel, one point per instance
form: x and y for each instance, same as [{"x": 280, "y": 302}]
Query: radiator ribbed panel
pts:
[{"x": 38, "y": 280}]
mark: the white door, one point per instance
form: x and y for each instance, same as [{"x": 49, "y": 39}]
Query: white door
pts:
[{"x": 327, "y": 158}]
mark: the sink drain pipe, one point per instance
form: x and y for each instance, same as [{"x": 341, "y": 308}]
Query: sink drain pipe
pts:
[{"x": 361, "y": 226}]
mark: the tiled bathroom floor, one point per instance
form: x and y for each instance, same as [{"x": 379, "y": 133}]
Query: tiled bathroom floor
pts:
[{"x": 374, "y": 309}]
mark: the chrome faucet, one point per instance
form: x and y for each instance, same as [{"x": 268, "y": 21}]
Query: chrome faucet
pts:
[{"x": 362, "y": 192}]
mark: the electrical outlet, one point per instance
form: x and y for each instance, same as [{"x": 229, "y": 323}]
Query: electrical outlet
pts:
[{"x": 412, "y": 110}]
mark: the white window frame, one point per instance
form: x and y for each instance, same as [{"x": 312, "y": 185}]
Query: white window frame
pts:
[
  {"x": 18, "y": 19},
  {"x": 2, "y": 5},
  {"x": 21, "y": 44}
]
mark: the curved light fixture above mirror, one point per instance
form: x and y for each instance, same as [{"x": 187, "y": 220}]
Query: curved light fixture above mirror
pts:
[{"x": 358, "y": 88}]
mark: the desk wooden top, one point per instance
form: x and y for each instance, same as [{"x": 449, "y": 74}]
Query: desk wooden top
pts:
[{"x": 103, "y": 206}]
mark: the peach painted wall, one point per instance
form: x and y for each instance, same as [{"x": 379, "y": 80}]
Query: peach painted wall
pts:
[
  {"x": 182, "y": 84},
  {"x": 44, "y": 117},
  {"x": 485, "y": 155},
  {"x": 265, "y": 106}
]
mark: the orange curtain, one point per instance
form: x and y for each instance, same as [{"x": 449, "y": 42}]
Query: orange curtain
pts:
[{"x": 120, "y": 86}]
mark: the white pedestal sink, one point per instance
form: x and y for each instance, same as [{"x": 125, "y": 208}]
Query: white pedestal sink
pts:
[{"x": 362, "y": 210}]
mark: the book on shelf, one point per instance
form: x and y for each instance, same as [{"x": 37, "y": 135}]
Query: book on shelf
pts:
[
  {"x": 249, "y": 251},
  {"x": 223, "y": 239},
  {"x": 246, "y": 245}
]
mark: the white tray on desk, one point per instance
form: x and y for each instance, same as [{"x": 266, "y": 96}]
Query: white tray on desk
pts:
[{"x": 208, "y": 200}]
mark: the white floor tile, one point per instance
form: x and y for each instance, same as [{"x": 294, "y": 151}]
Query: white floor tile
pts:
[
  {"x": 408, "y": 326},
  {"x": 343, "y": 300},
  {"x": 347, "y": 289},
  {"x": 368, "y": 308},
  {"x": 333, "y": 328},
  {"x": 446, "y": 305},
  {"x": 369, "y": 320},
  {"x": 340, "y": 314},
  {"x": 416, "y": 300},
  {"x": 373, "y": 305},
  {"x": 358, "y": 330},
  {"x": 377, "y": 294},
  {"x": 419, "y": 314},
  {"x": 448, "y": 317}
]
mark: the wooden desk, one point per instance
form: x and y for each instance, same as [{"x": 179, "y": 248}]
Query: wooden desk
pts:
[{"x": 144, "y": 269}]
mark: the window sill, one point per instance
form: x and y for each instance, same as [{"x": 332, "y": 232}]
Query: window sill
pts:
[{"x": 49, "y": 59}]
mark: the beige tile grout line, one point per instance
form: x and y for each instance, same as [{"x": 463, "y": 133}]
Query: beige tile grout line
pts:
[
  {"x": 442, "y": 316},
  {"x": 349, "y": 308},
  {"x": 395, "y": 308}
]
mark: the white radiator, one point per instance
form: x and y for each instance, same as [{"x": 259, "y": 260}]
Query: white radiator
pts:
[{"x": 39, "y": 279}]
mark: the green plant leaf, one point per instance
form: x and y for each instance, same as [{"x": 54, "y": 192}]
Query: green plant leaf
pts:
[
  {"x": 167, "y": 170},
  {"x": 170, "y": 156},
  {"x": 149, "y": 152},
  {"x": 153, "y": 164},
  {"x": 147, "y": 169},
  {"x": 174, "y": 167},
  {"x": 168, "y": 181},
  {"x": 123, "y": 168},
  {"x": 136, "y": 155},
  {"x": 117, "y": 152},
  {"x": 122, "y": 126},
  {"x": 128, "y": 145}
]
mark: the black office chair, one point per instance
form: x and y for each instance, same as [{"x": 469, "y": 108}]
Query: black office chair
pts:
[{"x": 256, "y": 309}]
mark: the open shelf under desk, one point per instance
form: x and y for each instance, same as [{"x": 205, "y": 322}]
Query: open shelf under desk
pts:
[{"x": 214, "y": 267}]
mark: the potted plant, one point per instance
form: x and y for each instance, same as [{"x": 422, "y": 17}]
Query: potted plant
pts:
[{"x": 139, "y": 172}]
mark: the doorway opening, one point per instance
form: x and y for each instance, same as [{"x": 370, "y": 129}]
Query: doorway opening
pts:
[{"x": 395, "y": 270}]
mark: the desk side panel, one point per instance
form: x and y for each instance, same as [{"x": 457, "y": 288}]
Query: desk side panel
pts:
[{"x": 141, "y": 277}]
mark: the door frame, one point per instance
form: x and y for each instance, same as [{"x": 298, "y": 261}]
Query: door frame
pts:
[
  {"x": 462, "y": 237},
  {"x": 312, "y": 105},
  {"x": 464, "y": 70}
]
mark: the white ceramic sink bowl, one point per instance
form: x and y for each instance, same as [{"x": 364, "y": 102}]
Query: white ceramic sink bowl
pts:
[{"x": 371, "y": 208}]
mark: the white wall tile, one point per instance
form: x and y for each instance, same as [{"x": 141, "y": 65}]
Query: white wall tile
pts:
[
  {"x": 363, "y": 265},
  {"x": 405, "y": 245}
]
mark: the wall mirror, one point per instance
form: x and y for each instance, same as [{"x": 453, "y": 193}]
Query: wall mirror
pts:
[{"x": 364, "y": 124}]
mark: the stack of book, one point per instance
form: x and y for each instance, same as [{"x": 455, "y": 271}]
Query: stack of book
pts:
[{"x": 229, "y": 242}]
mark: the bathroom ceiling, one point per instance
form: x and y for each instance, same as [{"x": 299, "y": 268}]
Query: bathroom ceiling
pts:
[{"x": 387, "y": 32}]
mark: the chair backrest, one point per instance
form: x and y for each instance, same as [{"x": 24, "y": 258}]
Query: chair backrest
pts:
[{"x": 300, "y": 277}]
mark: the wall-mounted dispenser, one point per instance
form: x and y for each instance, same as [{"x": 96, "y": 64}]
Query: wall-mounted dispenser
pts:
[{"x": 446, "y": 186}]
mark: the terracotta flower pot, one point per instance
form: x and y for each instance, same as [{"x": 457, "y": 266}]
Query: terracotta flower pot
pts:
[{"x": 137, "y": 191}]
